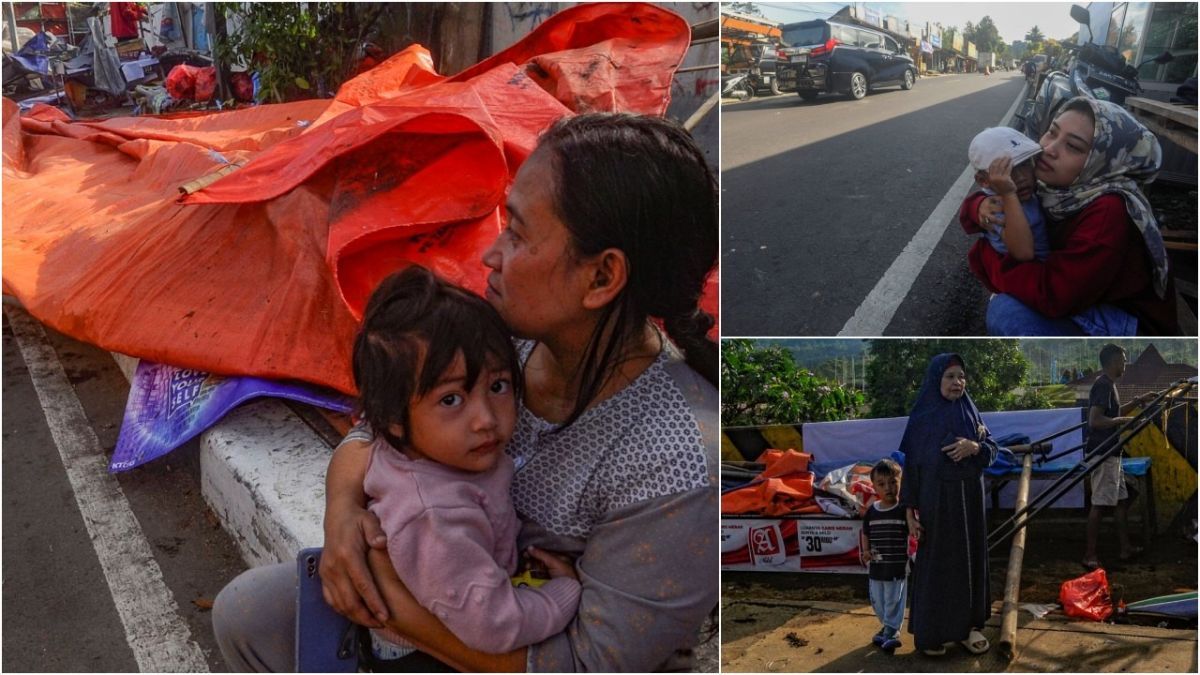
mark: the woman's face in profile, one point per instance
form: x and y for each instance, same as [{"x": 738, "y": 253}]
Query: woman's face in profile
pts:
[
  {"x": 954, "y": 383},
  {"x": 534, "y": 283},
  {"x": 1065, "y": 149}
]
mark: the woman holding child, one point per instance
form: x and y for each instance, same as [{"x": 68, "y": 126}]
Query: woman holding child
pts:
[
  {"x": 1107, "y": 271},
  {"x": 612, "y": 221},
  {"x": 946, "y": 447}
]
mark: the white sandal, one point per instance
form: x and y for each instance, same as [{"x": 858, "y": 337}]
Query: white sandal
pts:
[{"x": 973, "y": 642}]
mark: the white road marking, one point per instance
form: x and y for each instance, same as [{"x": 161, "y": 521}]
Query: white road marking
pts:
[
  {"x": 876, "y": 311},
  {"x": 158, "y": 636}
]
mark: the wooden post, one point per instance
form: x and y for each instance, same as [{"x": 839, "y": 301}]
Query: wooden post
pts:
[{"x": 1012, "y": 582}]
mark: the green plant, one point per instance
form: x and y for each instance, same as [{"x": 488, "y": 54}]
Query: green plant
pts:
[
  {"x": 761, "y": 384},
  {"x": 300, "y": 50},
  {"x": 995, "y": 368},
  {"x": 1050, "y": 396}
]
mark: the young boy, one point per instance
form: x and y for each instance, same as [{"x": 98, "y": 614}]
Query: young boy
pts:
[
  {"x": 1105, "y": 415},
  {"x": 1011, "y": 216},
  {"x": 883, "y": 548}
]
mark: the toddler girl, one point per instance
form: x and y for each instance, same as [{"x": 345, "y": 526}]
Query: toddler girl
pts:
[{"x": 438, "y": 378}]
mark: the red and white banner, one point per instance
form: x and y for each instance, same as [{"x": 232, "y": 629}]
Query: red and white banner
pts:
[
  {"x": 790, "y": 545},
  {"x": 829, "y": 546}
]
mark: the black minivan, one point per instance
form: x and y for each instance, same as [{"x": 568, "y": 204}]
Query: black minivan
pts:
[{"x": 827, "y": 56}]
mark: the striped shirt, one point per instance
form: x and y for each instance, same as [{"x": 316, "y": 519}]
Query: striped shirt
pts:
[{"x": 887, "y": 535}]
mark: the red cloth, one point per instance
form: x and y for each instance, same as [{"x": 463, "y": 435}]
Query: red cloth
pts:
[
  {"x": 1097, "y": 256},
  {"x": 125, "y": 19}
]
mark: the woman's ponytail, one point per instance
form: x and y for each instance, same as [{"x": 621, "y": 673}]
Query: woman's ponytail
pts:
[{"x": 689, "y": 331}]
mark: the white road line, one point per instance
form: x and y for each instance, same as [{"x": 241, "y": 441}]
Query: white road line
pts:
[
  {"x": 876, "y": 311},
  {"x": 158, "y": 636}
]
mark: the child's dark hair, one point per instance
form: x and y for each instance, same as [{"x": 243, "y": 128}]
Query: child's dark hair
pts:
[
  {"x": 886, "y": 468},
  {"x": 1109, "y": 352},
  {"x": 414, "y": 326}
]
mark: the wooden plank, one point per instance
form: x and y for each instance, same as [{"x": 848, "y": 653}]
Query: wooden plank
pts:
[
  {"x": 1182, "y": 235},
  {"x": 1171, "y": 111},
  {"x": 1172, "y": 122},
  {"x": 1183, "y": 138}
]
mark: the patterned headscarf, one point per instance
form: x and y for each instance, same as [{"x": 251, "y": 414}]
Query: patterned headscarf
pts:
[{"x": 1125, "y": 156}]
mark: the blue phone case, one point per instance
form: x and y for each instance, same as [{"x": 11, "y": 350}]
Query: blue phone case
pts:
[{"x": 326, "y": 642}]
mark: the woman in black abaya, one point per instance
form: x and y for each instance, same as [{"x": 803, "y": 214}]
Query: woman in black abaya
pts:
[{"x": 946, "y": 447}]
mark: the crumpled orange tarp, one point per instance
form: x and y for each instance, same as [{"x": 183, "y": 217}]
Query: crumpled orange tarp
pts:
[
  {"x": 784, "y": 487},
  {"x": 264, "y": 271}
]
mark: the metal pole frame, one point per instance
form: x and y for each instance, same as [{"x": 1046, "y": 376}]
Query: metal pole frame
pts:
[{"x": 1108, "y": 448}]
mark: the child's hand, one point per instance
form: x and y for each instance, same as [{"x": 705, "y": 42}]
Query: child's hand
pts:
[
  {"x": 864, "y": 556},
  {"x": 915, "y": 530},
  {"x": 1000, "y": 176},
  {"x": 991, "y": 213},
  {"x": 556, "y": 565}
]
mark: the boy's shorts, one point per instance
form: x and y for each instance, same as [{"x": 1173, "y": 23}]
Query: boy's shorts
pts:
[{"x": 1108, "y": 483}]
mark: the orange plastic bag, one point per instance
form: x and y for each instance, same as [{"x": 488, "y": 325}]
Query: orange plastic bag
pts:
[
  {"x": 262, "y": 273},
  {"x": 186, "y": 83},
  {"x": 206, "y": 83},
  {"x": 1087, "y": 597}
]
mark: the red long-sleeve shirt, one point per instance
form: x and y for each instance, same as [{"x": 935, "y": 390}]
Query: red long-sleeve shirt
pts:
[
  {"x": 1096, "y": 256},
  {"x": 125, "y": 19}
]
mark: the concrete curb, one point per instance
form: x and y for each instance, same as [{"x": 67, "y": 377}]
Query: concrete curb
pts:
[{"x": 262, "y": 471}]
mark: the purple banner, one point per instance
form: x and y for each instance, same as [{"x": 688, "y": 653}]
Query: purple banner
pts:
[{"x": 169, "y": 406}]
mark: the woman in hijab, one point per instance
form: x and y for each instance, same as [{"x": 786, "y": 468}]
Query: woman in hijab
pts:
[
  {"x": 1107, "y": 271},
  {"x": 946, "y": 447}
]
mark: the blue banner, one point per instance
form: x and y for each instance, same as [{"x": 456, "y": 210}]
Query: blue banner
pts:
[{"x": 169, "y": 406}]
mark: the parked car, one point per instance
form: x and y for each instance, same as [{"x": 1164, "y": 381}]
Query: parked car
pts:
[
  {"x": 825, "y": 56},
  {"x": 757, "y": 62}
]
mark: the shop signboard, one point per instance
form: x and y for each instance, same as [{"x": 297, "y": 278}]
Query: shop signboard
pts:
[
  {"x": 926, "y": 47},
  {"x": 935, "y": 39},
  {"x": 821, "y": 545}
]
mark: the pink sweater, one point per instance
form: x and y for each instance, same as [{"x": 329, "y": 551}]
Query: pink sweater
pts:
[{"x": 452, "y": 538}]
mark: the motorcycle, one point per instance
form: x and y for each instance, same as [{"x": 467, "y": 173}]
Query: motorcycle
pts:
[
  {"x": 1092, "y": 70},
  {"x": 737, "y": 85},
  {"x": 758, "y": 78}
]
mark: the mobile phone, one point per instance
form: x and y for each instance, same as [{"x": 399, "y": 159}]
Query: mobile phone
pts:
[{"x": 326, "y": 642}]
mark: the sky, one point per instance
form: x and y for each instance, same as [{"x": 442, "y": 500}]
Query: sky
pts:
[{"x": 1013, "y": 19}]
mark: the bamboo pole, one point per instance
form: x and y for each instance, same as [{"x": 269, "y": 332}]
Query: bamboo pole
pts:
[
  {"x": 208, "y": 179},
  {"x": 1012, "y": 583},
  {"x": 702, "y": 111}
]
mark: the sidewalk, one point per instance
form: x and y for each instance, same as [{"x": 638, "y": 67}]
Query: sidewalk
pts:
[
  {"x": 780, "y": 636},
  {"x": 262, "y": 472}
]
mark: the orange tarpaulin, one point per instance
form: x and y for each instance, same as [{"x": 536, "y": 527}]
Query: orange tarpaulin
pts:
[
  {"x": 784, "y": 487},
  {"x": 262, "y": 272}
]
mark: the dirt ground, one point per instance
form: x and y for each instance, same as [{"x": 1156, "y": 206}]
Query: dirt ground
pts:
[{"x": 823, "y": 623}]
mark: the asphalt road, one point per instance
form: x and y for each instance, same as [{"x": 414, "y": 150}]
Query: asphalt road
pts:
[
  {"x": 818, "y": 200},
  {"x": 63, "y": 610}
]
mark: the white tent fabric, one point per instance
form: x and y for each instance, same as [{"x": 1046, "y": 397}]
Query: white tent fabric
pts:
[{"x": 837, "y": 444}]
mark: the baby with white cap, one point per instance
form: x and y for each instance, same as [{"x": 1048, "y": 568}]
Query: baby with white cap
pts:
[{"x": 1011, "y": 216}]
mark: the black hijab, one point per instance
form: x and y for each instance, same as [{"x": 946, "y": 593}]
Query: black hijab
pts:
[{"x": 936, "y": 422}]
